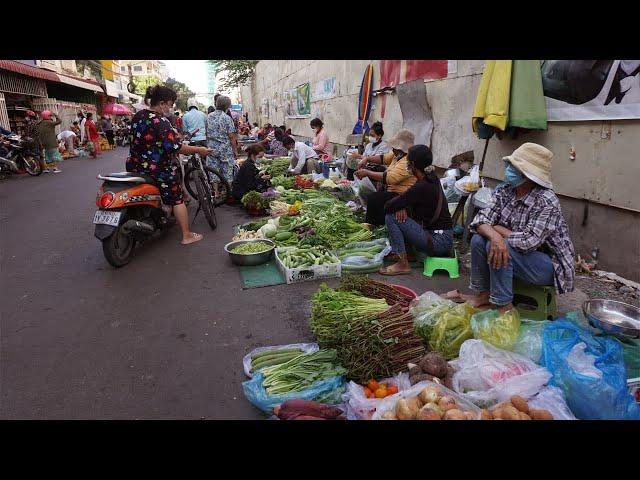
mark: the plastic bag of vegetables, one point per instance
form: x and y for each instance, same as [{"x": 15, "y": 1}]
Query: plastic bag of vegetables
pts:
[
  {"x": 359, "y": 407},
  {"x": 364, "y": 256},
  {"x": 499, "y": 330},
  {"x": 265, "y": 353},
  {"x": 451, "y": 329},
  {"x": 426, "y": 309}
]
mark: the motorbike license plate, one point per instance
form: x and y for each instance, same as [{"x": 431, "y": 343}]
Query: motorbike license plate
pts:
[{"x": 107, "y": 218}]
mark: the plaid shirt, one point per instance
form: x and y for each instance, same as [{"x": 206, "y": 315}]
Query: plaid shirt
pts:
[{"x": 537, "y": 223}]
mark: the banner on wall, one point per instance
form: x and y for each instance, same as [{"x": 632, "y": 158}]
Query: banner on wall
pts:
[
  {"x": 304, "y": 99},
  {"x": 324, "y": 89},
  {"x": 395, "y": 72},
  {"x": 591, "y": 89},
  {"x": 297, "y": 101}
]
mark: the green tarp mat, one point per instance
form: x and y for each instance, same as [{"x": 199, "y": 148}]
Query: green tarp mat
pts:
[{"x": 264, "y": 275}]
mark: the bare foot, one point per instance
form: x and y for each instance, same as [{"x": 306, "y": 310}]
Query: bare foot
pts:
[
  {"x": 395, "y": 269},
  {"x": 192, "y": 238},
  {"x": 504, "y": 308},
  {"x": 476, "y": 300}
]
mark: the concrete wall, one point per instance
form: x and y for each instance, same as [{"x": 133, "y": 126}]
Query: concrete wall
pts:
[{"x": 605, "y": 173}]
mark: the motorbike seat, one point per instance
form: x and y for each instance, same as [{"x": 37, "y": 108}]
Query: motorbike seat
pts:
[{"x": 126, "y": 177}]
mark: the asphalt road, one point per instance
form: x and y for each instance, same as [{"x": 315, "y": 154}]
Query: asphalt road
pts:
[{"x": 161, "y": 338}]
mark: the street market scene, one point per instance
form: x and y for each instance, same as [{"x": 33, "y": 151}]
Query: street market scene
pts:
[{"x": 320, "y": 239}]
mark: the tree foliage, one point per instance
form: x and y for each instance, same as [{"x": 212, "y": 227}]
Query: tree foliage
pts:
[
  {"x": 236, "y": 72},
  {"x": 181, "y": 89}
]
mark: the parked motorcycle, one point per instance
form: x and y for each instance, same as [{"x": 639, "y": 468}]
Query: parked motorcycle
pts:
[
  {"x": 129, "y": 211},
  {"x": 16, "y": 157}
]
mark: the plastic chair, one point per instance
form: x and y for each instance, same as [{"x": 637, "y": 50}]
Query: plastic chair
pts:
[
  {"x": 450, "y": 264},
  {"x": 545, "y": 306}
]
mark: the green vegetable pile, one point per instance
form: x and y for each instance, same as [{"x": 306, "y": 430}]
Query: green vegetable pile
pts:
[
  {"x": 372, "y": 339},
  {"x": 304, "y": 257},
  {"x": 268, "y": 358},
  {"x": 278, "y": 166},
  {"x": 250, "y": 248},
  {"x": 252, "y": 199},
  {"x": 285, "y": 182},
  {"x": 301, "y": 372}
]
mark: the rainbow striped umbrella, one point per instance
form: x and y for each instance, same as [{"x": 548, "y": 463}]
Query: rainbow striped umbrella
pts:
[{"x": 364, "y": 101}]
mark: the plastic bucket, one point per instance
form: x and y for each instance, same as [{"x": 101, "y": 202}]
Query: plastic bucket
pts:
[{"x": 405, "y": 290}]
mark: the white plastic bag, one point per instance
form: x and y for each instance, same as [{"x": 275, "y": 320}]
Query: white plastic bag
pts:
[
  {"x": 359, "y": 407},
  {"x": 246, "y": 361},
  {"x": 487, "y": 375},
  {"x": 582, "y": 362},
  {"x": 483, "y": 197},
  {"x": 363, "y": 188},
  {"x": 552, "y": 399},
  {"x": 529, "y": 342},
  {"x": 389, "y": 403}
]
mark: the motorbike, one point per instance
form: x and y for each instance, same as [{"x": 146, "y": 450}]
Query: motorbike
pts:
[
  {"x": 16, "y": 157},
  {"x": 129, "y": 212}
]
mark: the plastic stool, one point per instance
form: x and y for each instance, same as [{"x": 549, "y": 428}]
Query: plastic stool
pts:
[
  {"x": 450, "y": 264},
  {"x": 543, "y": 296}
]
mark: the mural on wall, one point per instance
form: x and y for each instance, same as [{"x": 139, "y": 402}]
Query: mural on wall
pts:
[
  {"x": 591, "y": 89},
  {"x": 324, "y": 89},
  {"x": 298, "y": 101}
]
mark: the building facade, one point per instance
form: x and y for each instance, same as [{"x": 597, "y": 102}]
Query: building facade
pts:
[{"x": 150, "y": 68}]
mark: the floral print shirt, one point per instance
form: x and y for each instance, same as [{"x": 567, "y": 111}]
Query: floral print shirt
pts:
[
  {"x": 219, "y": 126},
  {"x": 153, "y": 142}
]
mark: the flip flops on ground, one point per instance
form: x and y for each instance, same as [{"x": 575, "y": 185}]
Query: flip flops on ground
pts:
[{"x": 195, "y": 237}]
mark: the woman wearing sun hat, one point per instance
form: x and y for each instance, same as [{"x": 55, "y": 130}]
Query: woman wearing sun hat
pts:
[
  {"x": 523, "y": 234},
  {"x": 396, "y": 179}
]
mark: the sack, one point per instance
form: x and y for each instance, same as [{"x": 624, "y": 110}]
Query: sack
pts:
[
  {"x": 246, "y": 361},
  {"x": 499, "y": 330},
  {"x": 487, "y": 375},
  {"x": 389, "y": 403},
  {"x": 600, "y": 392},
  {"x": 328, "y": 389},
  {"x": 451, "y": 329},
  {"x": 552, "y": 399},
  {"x": 529, "y": 341},
  {"x": 359, "y": 407},
  {"x": 362, "y": 263}
]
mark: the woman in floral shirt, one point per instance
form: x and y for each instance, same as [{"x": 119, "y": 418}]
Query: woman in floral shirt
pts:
[
  {"x": 153, "y": 145},
  {"x": 222, "y": 139}
]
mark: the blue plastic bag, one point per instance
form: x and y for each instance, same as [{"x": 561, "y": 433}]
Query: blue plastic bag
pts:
[
  {"x": 324, "y": 389},
  {"x": 588, "y": 397}
]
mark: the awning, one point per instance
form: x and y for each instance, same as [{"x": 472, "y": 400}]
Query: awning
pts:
[
  {"x": 28, "y": 70},
  {"x": 79, "y": 83},
  {"x": 111, "y": 89}
]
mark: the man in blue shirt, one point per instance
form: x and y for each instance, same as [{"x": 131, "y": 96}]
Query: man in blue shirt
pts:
[{"x": 194, "y": 120}]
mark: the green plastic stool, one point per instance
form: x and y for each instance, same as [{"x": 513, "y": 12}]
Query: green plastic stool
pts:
[
  {"x": 450, "y": 264},
  {"x": 543, "y": 296}
]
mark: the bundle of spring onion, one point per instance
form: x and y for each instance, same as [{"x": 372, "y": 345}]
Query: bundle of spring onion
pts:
[
  {"x": 373, "y": 289},
  {"x": 301, "y": 372},
  {"x": 304, "y": 257},
  {"x": 372, "y": 339}
]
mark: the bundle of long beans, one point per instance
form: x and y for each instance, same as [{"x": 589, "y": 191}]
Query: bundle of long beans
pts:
[
  {"x": 371, "y": 342},
  {"x": 374, "y": 289}
]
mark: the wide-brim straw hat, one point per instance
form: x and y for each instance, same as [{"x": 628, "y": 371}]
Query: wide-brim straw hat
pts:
[
  {"x": 403, "y": 140},
  {"x": 534, "y": 161}
]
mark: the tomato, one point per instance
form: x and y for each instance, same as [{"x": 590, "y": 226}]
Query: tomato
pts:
[
  {"x": 368, "y": 393},
  {"x": 392, "y": 389},
  {"x": 373, "y": 385},
  {"x": 380, "y": 392}
]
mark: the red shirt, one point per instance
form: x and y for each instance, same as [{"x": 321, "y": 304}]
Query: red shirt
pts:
[
  {"x": 179, "y": 123},
  {"x": 91, "y": 129}
]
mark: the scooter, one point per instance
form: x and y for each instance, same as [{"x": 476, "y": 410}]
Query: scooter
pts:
[
  {"x": 16, "y": 158},
  {"x": 129, "y": 212}
]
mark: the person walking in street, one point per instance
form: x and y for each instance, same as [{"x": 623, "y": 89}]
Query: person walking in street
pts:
[
  {"x": 222, "y": 139},
  {"x": 82, "y": 121},
  {"x": 92, "y": 135},
  {"x": 154, "y": 143},
  {"x": 107, "y": 128},
  {"x": 195, "y": 121},
  {"x": 47, "y": 135}
]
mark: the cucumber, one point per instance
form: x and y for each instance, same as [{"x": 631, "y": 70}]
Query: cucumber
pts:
[
  {"x": 281, "y": 236},
  {"x": 268, "y": 353}
]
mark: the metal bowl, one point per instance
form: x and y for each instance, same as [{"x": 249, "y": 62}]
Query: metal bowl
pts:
[
  {"x": 252, "y": 259},
  {"x": 616, "y": 318}
]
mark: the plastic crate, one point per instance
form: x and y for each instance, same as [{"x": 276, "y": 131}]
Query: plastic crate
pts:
[{"x": 315, "y": 272}]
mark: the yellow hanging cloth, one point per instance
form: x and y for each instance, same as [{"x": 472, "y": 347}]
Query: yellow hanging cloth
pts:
[{"x": 492, "y": 103}]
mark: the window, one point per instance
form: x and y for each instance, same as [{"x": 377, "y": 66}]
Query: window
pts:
[
  {"x": 137, "y": 68},
  {"x": 123, "y": 68}
]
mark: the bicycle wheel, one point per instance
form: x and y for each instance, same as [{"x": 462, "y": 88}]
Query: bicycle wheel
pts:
[
  {"x": 216, "y": 180},
  {"x": 205, "y": 198}
]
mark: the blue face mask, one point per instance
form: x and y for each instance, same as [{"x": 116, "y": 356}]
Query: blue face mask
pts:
[{"x": 512, "y": 176}]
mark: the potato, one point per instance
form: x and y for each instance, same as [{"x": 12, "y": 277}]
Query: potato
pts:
[
  {"x": 520, "y": 403},
  {"x": 447, "y": 403},
  {"x": 540, "y": 414},
  {"x": 414, "y": 403},
  {"x": 421, "y": 377},
  {"x": 486, "y": 414},
  {"x": 524, "y": 416},
  {"x": 448, "y": 381},
  {"x": 403, "y": 412},
  {"x": 454, "y": 414},
  {"x": 501, "y": 405},
  {"x": 434, "y": 364},
  {"x": 426, "y": 413},
  {"x": 510, "y": 413},
  {"x": 390, "y": 415},
  {"x": 414, "y": 369},
  {"x": 429, "y": 395},
  {"x": 471, "y": 416}
]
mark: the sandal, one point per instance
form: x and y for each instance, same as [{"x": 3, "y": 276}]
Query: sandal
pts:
[
  {"x": 195, "y": 237},
  {"x": 389, "y": 272}
]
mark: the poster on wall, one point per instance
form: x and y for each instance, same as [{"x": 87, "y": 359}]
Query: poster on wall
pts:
[
  {"x": 324, "y": 89},
  {"x": 304, "y": 99},
  {"x": 591, "y": 89},
  {"x": 395, "y": 72}
]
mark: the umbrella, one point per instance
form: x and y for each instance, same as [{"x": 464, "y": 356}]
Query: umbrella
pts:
[
  {"x": 116, "y": 109},
  {"x": 364, "y": 101}
]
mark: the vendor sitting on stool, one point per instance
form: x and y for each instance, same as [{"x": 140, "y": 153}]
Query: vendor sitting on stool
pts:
[
  {"x": 396, "y": 179},
  {"x": 522, "y": 234},
  {"x": 419, "y": 216},
  {"x": 248, "y": 177}
]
